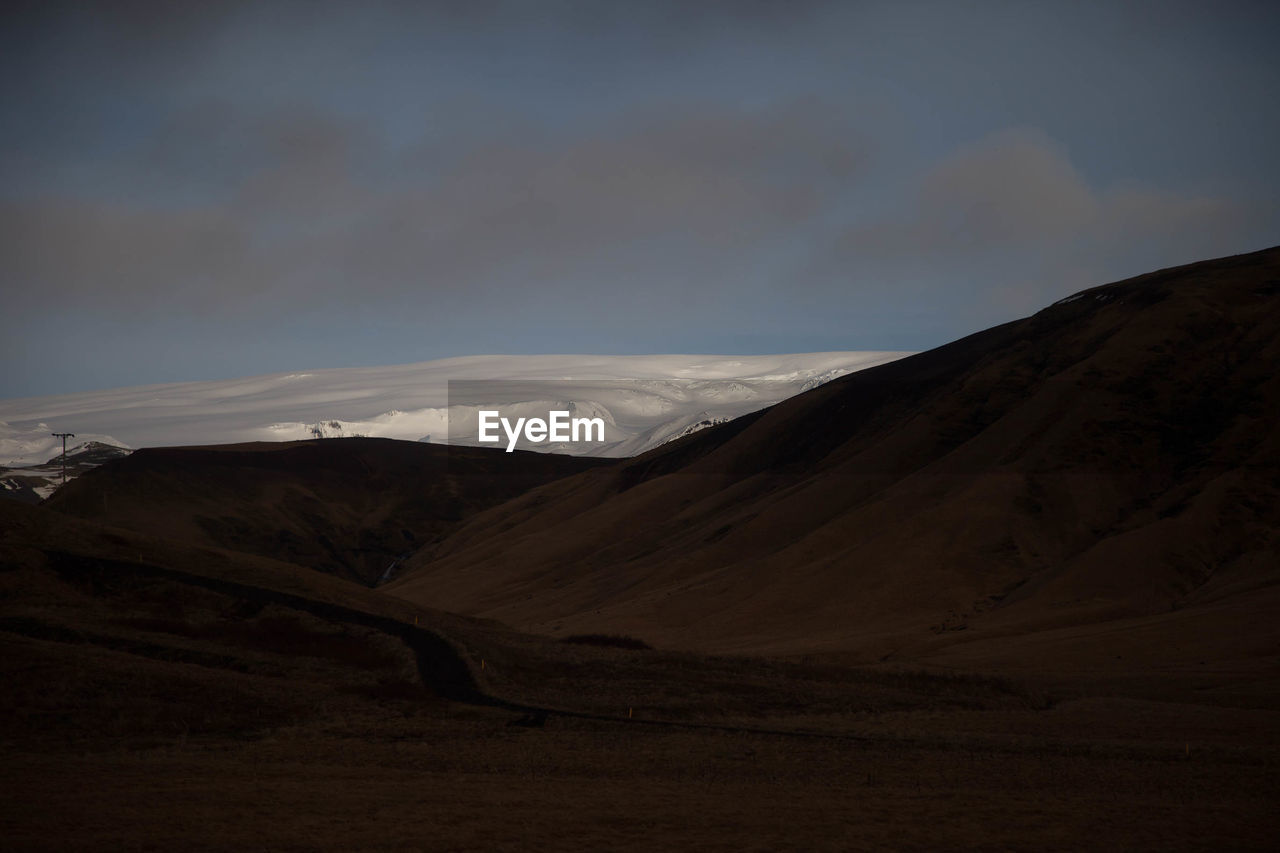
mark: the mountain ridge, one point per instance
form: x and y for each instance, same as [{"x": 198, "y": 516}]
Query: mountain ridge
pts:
[
  {"x": 991, "y": 483},
  {"x": 350, "y": 506},
  {"x": 410, "y": 401}
]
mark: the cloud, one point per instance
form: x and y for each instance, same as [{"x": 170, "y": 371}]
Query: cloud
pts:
[
  {"x": 1017, "y": 190},
  {"x": 613, "y": 223},
  {"x": 112, "y": 255},
  {"x": 1016, "y": 187},
  {"x": 303, "y": 205},
  {"x": 651, "y": 191},
  {"x": 1012, "y": 221}
]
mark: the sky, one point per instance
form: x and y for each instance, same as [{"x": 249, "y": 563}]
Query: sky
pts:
[{"x": 199, "y": 191}]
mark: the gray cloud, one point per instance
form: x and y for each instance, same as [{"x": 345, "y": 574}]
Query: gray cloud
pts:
[
  {"x": 1017, "y": 189},
  {"x": 248, "y": 186},
  {"x": 112, "y": 255},
  {"x": 315, "y": 207},
  {"x": 143, "y": 34},
  {"x": 1010, "y": 220}
]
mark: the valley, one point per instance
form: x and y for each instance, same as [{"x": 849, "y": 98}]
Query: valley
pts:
[{"x": 1019, "y": 591}]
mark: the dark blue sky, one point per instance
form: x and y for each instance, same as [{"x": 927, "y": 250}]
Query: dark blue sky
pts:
[{"x": 209, "y": 190}]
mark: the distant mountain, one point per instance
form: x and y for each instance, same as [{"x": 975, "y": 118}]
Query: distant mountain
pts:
[
  {"x": 411, "y": 401},
  {"x": 31, "y": 442},
  {"x": 34, "y": 483},
  {"x": 1098, "y": 483}
]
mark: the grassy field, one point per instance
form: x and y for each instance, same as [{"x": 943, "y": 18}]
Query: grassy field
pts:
[
  {"x": 451, "y": 778},
  {"x": 168, "y": 703}
]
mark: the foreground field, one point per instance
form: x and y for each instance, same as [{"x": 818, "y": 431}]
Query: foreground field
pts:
[
  {"x": 163, "y": 697},
  {"x": 439, "y": 776}
]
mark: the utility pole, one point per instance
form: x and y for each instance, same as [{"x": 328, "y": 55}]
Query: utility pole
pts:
[{"x": 64, "y": 436}]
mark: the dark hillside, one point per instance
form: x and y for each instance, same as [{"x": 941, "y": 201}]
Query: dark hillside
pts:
[
  {"x": 1113, "y": 457},
  {"x": 351, "y": 507}
]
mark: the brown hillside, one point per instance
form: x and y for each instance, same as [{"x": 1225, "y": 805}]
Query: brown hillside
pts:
[
  {"x": 1092, "y": 487},
  {"x": 153, "y": 686},
  {"x": 350, "y": 506}
]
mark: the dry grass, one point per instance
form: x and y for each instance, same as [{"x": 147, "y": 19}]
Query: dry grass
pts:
[
  {"x": 146, "y": 708},
  {"x": 464, "y": 779},
  {"x": 616, "y": 641}
]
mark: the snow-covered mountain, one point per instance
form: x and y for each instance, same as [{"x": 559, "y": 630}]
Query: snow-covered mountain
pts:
[
  {"x": 411, "y": 401},
  {"x": 34, "y": 483}
]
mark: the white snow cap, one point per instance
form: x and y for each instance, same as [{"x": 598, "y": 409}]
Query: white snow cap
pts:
[{"x": 410, "y": 401}]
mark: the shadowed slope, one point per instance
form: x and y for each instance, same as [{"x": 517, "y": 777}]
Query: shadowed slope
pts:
[
  {"x": 350, "y": 507},
  {"x": 182, "y": 638},
  {"x": 1110, "y": 458},
  {"x": 152, "y": 686}
]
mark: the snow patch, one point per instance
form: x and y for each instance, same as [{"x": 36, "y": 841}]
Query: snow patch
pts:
[
  {"x": 32, "y": 444},
  {"x": 411, "y": 401}
]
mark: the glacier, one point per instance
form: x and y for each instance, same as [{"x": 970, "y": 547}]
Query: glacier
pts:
[{"x": 410, "y": 401}]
